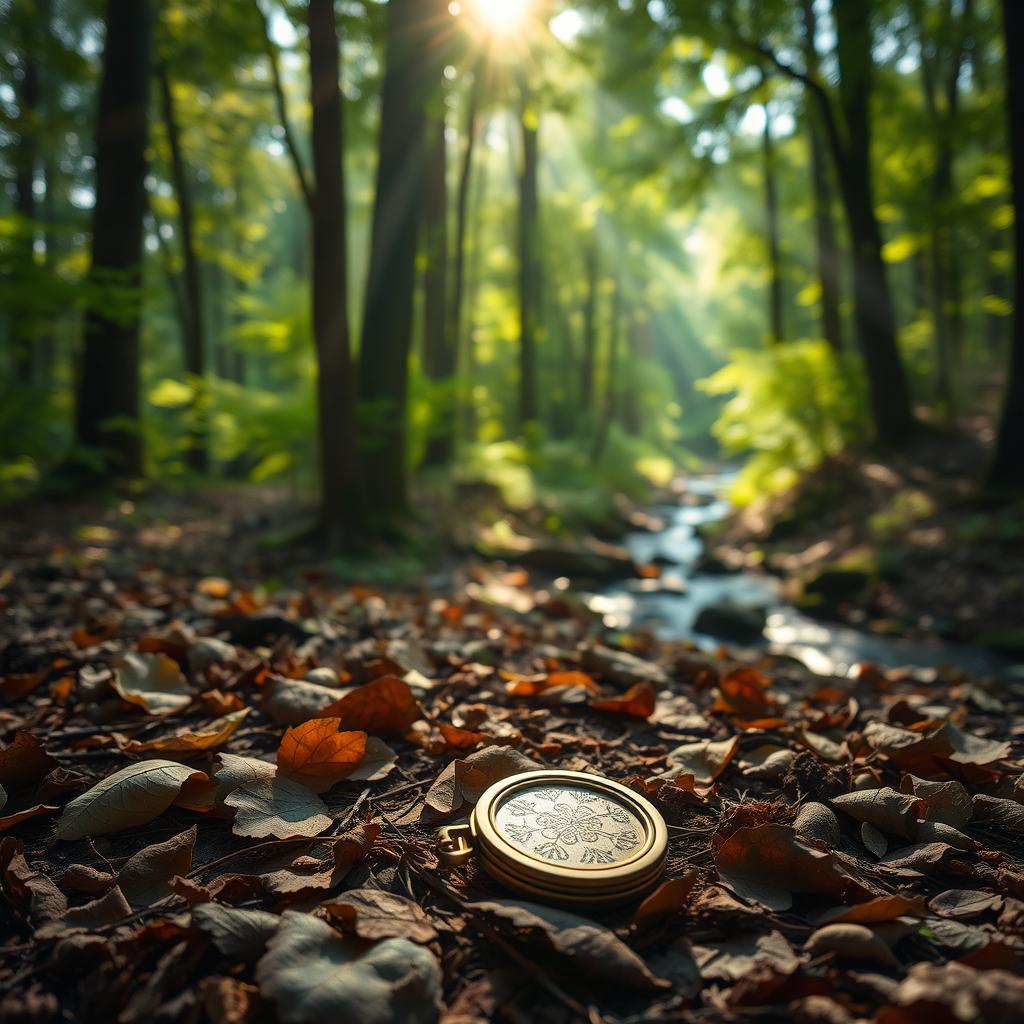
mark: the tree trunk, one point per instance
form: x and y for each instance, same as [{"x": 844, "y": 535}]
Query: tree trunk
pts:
[
  {"x": 940, "y": 256},
  {"x": 194, "y": 324},
  {"x": 589, "y": 330},
  {"x": 826, "y": 249},
  {"x": 387, "y": 321},
  {"x": 341, "y": 505},
  {"x": 1007, "y": 468},
  {"x": 529, "y": 262},
  {"x": 874, "y": 315},
  {"x": 611, "y": 389},
  {"x": 439, "y": 349},
  {"x": 771, "y": 210},
  {"x": 107, "y": 414}
]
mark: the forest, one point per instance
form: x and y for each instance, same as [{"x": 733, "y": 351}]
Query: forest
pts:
[{"x": 401, "y": 399}]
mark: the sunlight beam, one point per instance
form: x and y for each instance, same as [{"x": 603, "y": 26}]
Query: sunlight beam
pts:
[{"x": 502, "y": 17}]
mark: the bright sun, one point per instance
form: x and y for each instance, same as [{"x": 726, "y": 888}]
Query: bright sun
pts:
[{"x": 502, "y": 16}]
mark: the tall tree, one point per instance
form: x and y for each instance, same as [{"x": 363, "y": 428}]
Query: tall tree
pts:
[
  {"x": 1007, "y": 469},
  {"x": 589, "y": 327},
  {"x": 609, "y": 409},
  {"x": 771, "y": 213},
  {"x": 406, "y": 91},
  {"x": 826, "y": 248},
  {"x": 107, "y": 413},
  {"x": 341, "y": 502},
  {"x": 193, "y": 323},
  {"x": 528, "y": 241}
]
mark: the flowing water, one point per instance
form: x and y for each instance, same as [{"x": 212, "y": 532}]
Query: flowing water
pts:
[{"x": 671, "y": 605}]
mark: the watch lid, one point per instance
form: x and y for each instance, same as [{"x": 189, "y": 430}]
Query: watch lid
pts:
[{"x": 570, "y": 835}]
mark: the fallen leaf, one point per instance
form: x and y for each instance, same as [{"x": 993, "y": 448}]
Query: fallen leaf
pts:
[
  {"x": 460, "y": 739},
  {"x": 850, "y": 942},
  {"x": 743, "y": 693},
  {"x": 24, "y": 761},
  {"x": 768, "y": 863},
  {"x": 964, "y": 903},
  {"x": 152, "y": 682},
  {"x": 146, "y": 876},
  {"x": 240, "y": 934},
  {"x": 277, "y": 807},
  {"x": 971, "y": 749},
  {"x": 768, "y": 763},
  {"x": 592, "y": 950},
  {"x": 32, "y": 891},
  {"x": 110, "y": 908},
  {"x": 1005, "y": 815},
  {"x": 892, "y": 812},
  {"x": 873, "y": 839},
  {"x": 313, "y": 974},
  {"x": 374, "y": 914},
  {"x": 876, "y": 911},
  {"x": 187, "y": 741},
  {"x": 946, "y": 802},
  {"x": 133, "y": 796},
  {"x": 377, "y": 763},
  {"x": 316, "y": 755},
  {"x": 817, "y": 821},
  {"x": 953, "y": 993},
  {"x": 704, "y": 760},
  {"x": 735, "y": 958},
  {"x": 294, "y": 701},
  {"x": 463, "y": 781},
  {"x": 668, "y": 898},
  {"x": 9, "y": 821},
  {"x": 639, "y": 701},
  {"x": 236, "y": 770},
  {"x": 386, "y": 707},
  {"x": 920, "y": 858}
]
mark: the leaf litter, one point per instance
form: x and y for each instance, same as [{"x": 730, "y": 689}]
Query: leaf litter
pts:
[{"x": 219, "y": 801}]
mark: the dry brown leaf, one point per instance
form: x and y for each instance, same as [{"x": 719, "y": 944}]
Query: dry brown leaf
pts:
[
  {"x": 277, "y": 807},
  {"x": 850, "y": 942},
  {"x": 294, "y": 701},
  {"x": 463, "y": 781},
  {"x": 768, "y": 762},
  {"x": 132, "y": 796},
  {"x": 768, "y": 863},
  {"x": 236, "y": 770},
  {"x": 1005, "y": 815},
  {"x": 704, "y": 760},
  {"x": 378, "y": 761},
  {"x": 110, "y": 908},
  {"x": 876, "y": 911},
  {"x": 314, "y": 974},
  {"x": 592, "y": 950},
  {"x": 964, "y": 903},
  {"x": 743, "y": 693},
  {"x": 460, "y": 739},
  {"x": 816, "y": 821},
  {"x": 919, "y": 858},
  {"x": 31, "y": 891},
  {"x": 24, "y": 761},
  {"x": 873, "y": 839},
  {"x": 15, "y": 818},
  {"x": 887, "y": 810},
  {"x": 146, "y": 876},
  {"x": 316, "y": 755},
  {"x": 188, "y": 741},
  {"x": 152, "y": 682},
  {"x": 668, "y": 898},
  {"x": 639, "y": 701},
  {"x": 953, "y": 993},
  {"x": 735, "y": 958},
  {"x": 240, "y": 934},
  {"x": 374, "y": 914},
  {"x": 945, "y": 802},
  {"x": 386, "y": 707}
]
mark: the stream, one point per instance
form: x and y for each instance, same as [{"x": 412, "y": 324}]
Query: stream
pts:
[{"x": 669, "y": 606}]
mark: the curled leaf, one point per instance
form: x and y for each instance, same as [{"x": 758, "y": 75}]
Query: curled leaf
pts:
[
  {"x": 704, "y": 760},
  {"x": 850, "y": 942},
  {"x": 386, "y": 707},
  {"x": 277, "y": 807},
  {"x": 892, "y": 812},
  {"x": 317, "y": 755},
  {"x": 187, "y": 741},
  {"x": 152, "y": 682}
]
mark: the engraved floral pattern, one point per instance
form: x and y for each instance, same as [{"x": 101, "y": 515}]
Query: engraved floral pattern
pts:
[{"x": 570, "y": 825}]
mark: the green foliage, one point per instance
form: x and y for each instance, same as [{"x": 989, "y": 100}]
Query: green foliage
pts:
[{"x": 791, "y": 407}]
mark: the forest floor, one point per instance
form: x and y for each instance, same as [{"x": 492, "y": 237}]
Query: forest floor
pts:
[
  {"x": 223, "y": 768},
  {"x": 902, "y": 546}
]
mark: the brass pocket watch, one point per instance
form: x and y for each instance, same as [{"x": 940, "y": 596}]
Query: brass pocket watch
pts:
[{"x": 563, "y": 837}]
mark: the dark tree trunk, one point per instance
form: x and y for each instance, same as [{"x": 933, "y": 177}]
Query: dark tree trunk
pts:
[
  {"x": 529, "y": 263},
  {"x": 439, "y": 348},
  {"x": 826, "y": 248},
  {"x": 107, "y": 414},
  {"x": 940, "y": 257},
  {"x": 874, "y": 315},
  {"x": 462, "y": 210},
  {"x": 771, "y": 211},
  {"x": 1007, "y": 469},
  {"x": 611, "y": 388},
  {"x": 387, "y": 322},
  {"x": 194, "y": 324},
  {"x": 589, "y": 330},
  {"x": 341, "y": 505}
]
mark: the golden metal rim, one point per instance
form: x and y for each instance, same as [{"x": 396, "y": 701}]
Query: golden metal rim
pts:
[{"x": 523, "y": 869}]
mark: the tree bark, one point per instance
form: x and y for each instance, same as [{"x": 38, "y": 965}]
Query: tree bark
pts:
[
  {"x": 529, "y": 261},
  {"x": 387, "y": 321},
  {"x": 439, "y": 349},
  {"x": 771, "y": 210},
  {"x": 341, "y": 506},
  {"x": 1007, "y": 468},
  {"x": 107, "y": 413},
  {"x": 826, "y": 248},
  {"x": 194, "y": 333},
  {"x": 874, "y": 315}
]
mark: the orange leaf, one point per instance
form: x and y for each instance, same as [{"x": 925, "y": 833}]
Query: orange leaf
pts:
[
  {"x": 742, "y": 692},
  {"x": 460, "y": 739},
  {"x": 638, "y": 701},
  {"x": 570, "y": 679},
  {"x": 386, "y": 705},
  {"x": 317, "y": 755}
]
